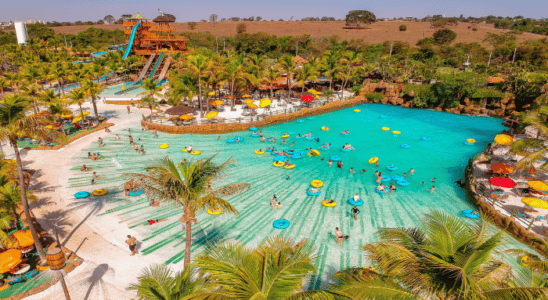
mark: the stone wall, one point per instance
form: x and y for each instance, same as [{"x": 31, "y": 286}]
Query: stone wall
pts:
[
  {"x": 219, "y": 128},
  {"x": 505, "y": 222}
]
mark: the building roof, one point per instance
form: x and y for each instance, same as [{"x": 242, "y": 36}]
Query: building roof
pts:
[
  {"x": 138, "y": 16},
  {"x": 300, "y": 61},
  {"x": 165, "y": 18},
  {"x": 494, "y": 80}
]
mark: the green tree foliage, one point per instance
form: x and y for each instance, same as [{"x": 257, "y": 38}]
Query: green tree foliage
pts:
[
  {"x": 241, "y": 28},
  {"x": 444, "y": 36},
  {"x": 355, "y": 17},
  {"x": 403, "y": 28},
  {"x": 375, "y": 97}
]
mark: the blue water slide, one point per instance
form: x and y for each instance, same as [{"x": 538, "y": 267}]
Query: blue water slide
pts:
[{"x": 131, "y": 38}]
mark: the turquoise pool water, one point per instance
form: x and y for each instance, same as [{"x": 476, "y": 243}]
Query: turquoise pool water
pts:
[{"x": 444, "y": 157}]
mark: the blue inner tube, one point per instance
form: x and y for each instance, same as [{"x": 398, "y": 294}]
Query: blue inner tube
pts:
[
  {"x": 469, "y": 144},
  {"x": 231, "y": 140},
  {"x": 273, "y": 153},
  {"x": 291, "y": 133},
  {"x": 300, "y": 120},
  {"x": 324, "y": 149},
  {"x": 380, "y": 192},
  {"x": 346, "y": 150},
  {"x": 335, "y": 158},
  {"x": 310, "y": 118},
  {"x": 279, "y": 158},
  {"x": 468, "y": 214},
  {"x": 298, "y": 137},
  {"x": 296, "y": 155},
  {"x": 270, "y": 150},
  {"x": 309, "y": 138},
  {"x": 254, "y": 135},
  {"x": 398, "y": 177},
  {"x": 386, "y": 178},
  {"x": 288, "y": 150},
  {"x": 425, "y": 138},
  {"x": 356, "y": 203},
  {"x": 342, "y": 133},
  {"x": 313, "y": 194},
  {"x": 281, "y": 224},
  {"x": 253, "y": 128},
  {"x": 403, "y": 182},
  {"x": 139, "y": 192},
  {"x": 405, "y": 146},
  {"x": 241, "y": 138},
  {"x": 392, "y": 168},
  {"x": 81, "y": 195}
]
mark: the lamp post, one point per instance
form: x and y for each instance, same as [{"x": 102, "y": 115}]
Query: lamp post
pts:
[{"x": 56, "y": 262}]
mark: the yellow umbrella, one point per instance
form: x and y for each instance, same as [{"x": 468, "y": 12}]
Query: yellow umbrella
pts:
[
  {"x": 24, "y": 238},
  {"x": 49, "y": 126},
  {"x": 211, "y": 115},
  {"x": 246, "y": 96},
  {"x": 84, "y": 113},
  {"x": 265, "y": 102},
  {"x": 504, "y": 140},
  {"x": 76, "y": 120},
  {"x": 66, "y": 115},
  {"x": 313, "y": 91},
  {"x": 216, "y": 102},
  {"x": 535, "y": 202},
  {"x": 248, "y": 101},
  {"x": 538, "y": 185},
  {"x": 211, "y": 93},
  {"x": 9, "y": 260},
  {"x": 186, "y": 117},
  {"x": 254, "y": 106}
]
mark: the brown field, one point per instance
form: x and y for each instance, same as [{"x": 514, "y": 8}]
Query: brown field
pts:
[{"x": 376, "y": 33}]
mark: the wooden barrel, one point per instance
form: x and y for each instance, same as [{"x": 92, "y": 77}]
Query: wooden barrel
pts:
[{"x": 56, "y": 259}]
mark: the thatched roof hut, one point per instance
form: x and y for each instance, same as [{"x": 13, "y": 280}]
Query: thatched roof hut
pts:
[
  {"x": 179, "y": 110},
  {"x": 164, "y": 18},
  {"x": 138, "y": 16}
]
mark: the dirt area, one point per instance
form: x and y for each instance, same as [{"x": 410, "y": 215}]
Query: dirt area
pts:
[{"x": 376, "y": 33}]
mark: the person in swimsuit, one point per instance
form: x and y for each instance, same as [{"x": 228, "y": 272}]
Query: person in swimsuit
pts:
[
  {"x": 433, "y": 189},
  {"x": 412, "y": 171},
  {"x": 150, "y": 222},
  {"x": 329, "y": 163},
  {"x": 84, "y": 168},
  {"x": 377, "y": 163},
  {"x": 363, "y": 170},
  {"x": 314, "y": 190},
  {"x": 355, "y": 211},
  {"x": 340, "y": 164},
  {"x": 284, "y": 142},
  {"x": 130, "y": 140},
  {"x": 352, "y": 170},
  {"x": 392, "y": 187},
  {"x": 433, "y": 179},
  {"x": 97, "y": 177},
  {"x": 356, "y": 197},
  {"x": 329, "y": 201},
  {"x": 142, "y": 150},
  {"x": 132, "y": 242},
  {"x": 154, "y": 203},
  {"x": 117, "y": 137},
  {"x": 338, "y": 236},
  {"x": 404, "y": 175},
  {"x": 287, "y": 163},
  {"x": 136, "y": 148}
]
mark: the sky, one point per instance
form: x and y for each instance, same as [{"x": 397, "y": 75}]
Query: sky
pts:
[{"x": 195, "y": 10}]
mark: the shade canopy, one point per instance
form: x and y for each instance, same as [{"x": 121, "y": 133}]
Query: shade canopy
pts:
[
  {"x": 24, "y": 239},
  {"x": 9, "y": 260},
  {"x": 186, "y": 117},
  {"x": 502, "y": 182},
  {"x": 216, "y": 102},
  {"x": 504, "y": 139},
  {"x": 76, "y": 120},
  {"x": 535, "y": 202},
  {"x": 502, "y": 168},
  {"x": 254, "y": 106},
  {"x": 313, "y": 91},
  {"x": 248, "y": 101},
  {"x": 246, "y": 96},
  {"x": 265, "y": 102},
  {"x": 538, "y": 185},
  {"x": 307, "y": 98},
  {"x": 179, "y": 110},
  {"x": 211, "y": 93},
  {"x": 211, "y": 115}
]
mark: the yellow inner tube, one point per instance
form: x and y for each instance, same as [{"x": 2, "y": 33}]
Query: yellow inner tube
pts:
[
  {"x": 214, "y": 213},
  {"x": 278, "y": 163},
  {"x": 314, "y": 152},
  {"x": 285, "y": 136},
  {"x": 184, "y": 150},
  {"x": 325, "y": 128},
  {"x": 259, "y": 152},
  {"x": 396, "y": 132},
  {"x": 195, "y": 152},
  {"x": 291, "y": 166},
  {"x": 164, "y": 146},
  {"x": 373, "y": 160},
  {"x": 471, "y": 141},
  {"x": 316, "y": 183},
  {"x": 324, "y": 203},
  {"x": 99, "y": 192},
  {"x": 357, "y": 110},
  {"x": 523, "y": 260},
  {"x": 385, "y": 128}
]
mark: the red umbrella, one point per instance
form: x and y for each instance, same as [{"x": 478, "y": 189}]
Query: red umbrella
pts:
[
  {"x": 502, "y": 182},
  {"x": 307, "y": 99}
]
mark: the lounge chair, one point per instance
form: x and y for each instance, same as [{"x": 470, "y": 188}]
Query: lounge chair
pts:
[
  {"x": 17, "y": 279},
  {"x": 31, "y": 274}
]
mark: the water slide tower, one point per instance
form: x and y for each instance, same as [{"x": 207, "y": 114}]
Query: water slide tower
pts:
[{"x": 21, "y": 33}]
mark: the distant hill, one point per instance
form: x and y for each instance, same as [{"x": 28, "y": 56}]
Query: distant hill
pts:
[{"x": 376, "y": 33}]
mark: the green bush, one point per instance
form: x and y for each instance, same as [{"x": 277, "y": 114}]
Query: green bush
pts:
[
  {"x": 403, "y": 28},
  {"x": 375, "y": 97},
  {"x": 444, "y": 36}
]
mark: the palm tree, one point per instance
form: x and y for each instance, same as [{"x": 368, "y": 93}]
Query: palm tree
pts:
[
  {"x": 448, "y": 259},
  {"x": 150, "y": 103},
  {"x": 10, "y": 198},
  {"x": 92, "y": 89},
  {"x": 4, "y": 84},
  {"x": 271, "y": 74},
  {"x": 287, "y": 65},
  {"x": 151, "y": 88},
  {"x": 330, "y": 64},
  {"x": 15, "y": 124},
  {"x": 187, "y": 185},
  {"x": 234, "y": 72},
  {"x": 158, "y": 283},
  {"x": 306, "y": 73},
  {"x": 199, "y": 65},
  {"x": 78, "y": 97},
  {"x": 274, "y": 270}
]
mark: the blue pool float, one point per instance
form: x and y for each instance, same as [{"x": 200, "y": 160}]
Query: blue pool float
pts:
[
  {"x": 335, "y": 158},
  {"x": 231, "y": 140},
  {"x": 392, "y": 168},
  {"x": 254, "y": 135},
  {"x": 380, "y": 192},
  {"x": 291, "y": 133},
  {"x": 405, "y": 146},
  {"x": 355, "y": 203},
  {"x": 138, "y": 193},
  {"x": 425, "y": 138},
  {"x": 81, "y": 195},
  {"x": 310, "y": 118},
  {"x": 288, "y": 150},
  {"x": 270, "y": 150},
  {"x": 273, "y": 153},
  {"x": 300, "y": 120},
  {"x": 324, "y": 149},
  {"x": 469, "y": 144},
  {"x": 342, "y": 133},
  {"x": 279, "y": 158},
  {"x": 467, "y": 213},
  {"x": 398, "y": 177},
  {"x": 298, "y": 137},
  {"x": 253, "y": 128},
  {"x": 281, "y": 224},
  {"x": 313, "y": 194},
  {"x": 309, "y": 138},
  {"x": 403, "y": 182},
  {"x": 386, "y": 178},
  {"x": 296, "y": 156},
  {"x": 241, "y": 138},
  {"x": 346, "y": 150}
]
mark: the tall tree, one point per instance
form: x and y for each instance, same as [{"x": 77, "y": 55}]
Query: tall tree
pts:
[
  {"x": 287, "y": 64},
  {"x": 92, "y": 89},
  {"x": 199, "y": 65},
  {"x": 78, "y": 97},
  {"x": 187, "y": 185}
]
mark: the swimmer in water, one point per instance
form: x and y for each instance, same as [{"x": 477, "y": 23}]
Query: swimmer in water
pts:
[
  {"x": 284, "y": 142},
  {"x": 404, "y": 175},
  {"x": 433, "y": 179},
  {"x": 292, "y": 144},
  {"x": 329, "y": 163},
  {"x": 288, "y": 177},
  {"x": 376, "y": 173},
  {"x": 412, "y": 171},
  {"x": 377, "y": 163},
  {"x": 423, "y": 183},
  {"x": 433, "y": 189},
  {"x": 363, "y": 171},
  {"x": 340, "y": 165},
  {"x": 352, "y": 170}
]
